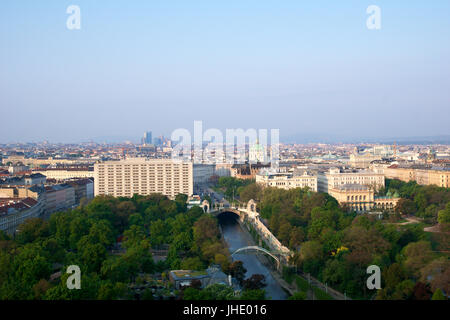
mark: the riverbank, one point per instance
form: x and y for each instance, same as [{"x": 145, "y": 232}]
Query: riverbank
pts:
[{"x": 236, "y": 235}]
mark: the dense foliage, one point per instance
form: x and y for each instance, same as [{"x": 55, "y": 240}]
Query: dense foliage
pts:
[
  {"x": 87, "y": 237},
  {"x": 421, "y": 201},
  {"x": 336, "y": 246},
  {"x": 231, "y": 186}
]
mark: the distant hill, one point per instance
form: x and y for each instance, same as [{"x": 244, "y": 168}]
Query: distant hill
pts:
[{"x": 336, "y": 138}]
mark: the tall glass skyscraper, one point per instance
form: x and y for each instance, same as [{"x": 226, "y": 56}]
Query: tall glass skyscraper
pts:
[{"x": 147, "y": 138}]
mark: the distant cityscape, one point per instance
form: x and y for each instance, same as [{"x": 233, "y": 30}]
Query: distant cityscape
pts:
[
  {"x": 194, "y": 151},
  {"x": 37, "y": 179}
]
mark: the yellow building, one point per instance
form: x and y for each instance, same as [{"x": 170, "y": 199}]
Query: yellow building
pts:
[
  {"x": 421, "y": 174},
  {"x": 361, "y": 198},
  {"x": 66, "y": 173}
]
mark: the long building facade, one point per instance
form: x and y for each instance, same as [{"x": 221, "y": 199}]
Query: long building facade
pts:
[
  {"x": 287, "y": 180},
  {"x": 336, "y": 177},
  {"x": 421, "y": 174},
  {"x": 143, "y": 176}
]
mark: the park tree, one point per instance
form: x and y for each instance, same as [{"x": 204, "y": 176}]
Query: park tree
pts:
[
  {"x": 123, "y": 211},
  {"x": 222, "y": 260},
  {"x": 259, "y": 294},
  {"x": 193, "y": 263},
  {"x": 91, "y": 254},
  {"x": 437, "y": 274},
  {"x": 115, "y": 269},
  {"x": 251, "y": 191},
  {"x": 78, "y": 227},
  {"x": 101, "y": 233},
  {"x": 205, "y": 229},
  {"x": 139, "y": 258},
  {"x": 299, "y": 295},
  {"x": 311, "y": 251},
  {"x": 4, "y": 236},
  {"x": 111, "y": 291},
  {"x": 136, "y": 219},
  {"x": 30, "y": 265},
  {"x": 181, "y": 223},
  {"x": 438, "y": 295},
  {"x": 406, "y": 207},
  {"x": 190, "y": 293},
  {"x": 255, "y": 282},
  {"x": 40, "y": 288},
  {"x": 296, "y": 237},
  {"x": 321, "y": 220},
  {"x": 237, "y": 270},
  {"x": 31, "y": 230},
  {"x": 284, "y": 233},
  {"x": 219, "y": 292},
  {"x": 336, "y": 271},
  {"x": 393, "y": 276},
  {"x": 444, "y": 217},
  {"x": 403, "y": 291},
  {"x": 53, "y": 251},
  {"x": 364, "y": 245},
  {"x": 421, "y": 291},
  {"x": 209, "y": 250},
  {"x": 417, "y": 255},
  {"x": 159, "y": 232},
  {"x": 180, "y": 200},
  {"x": 133, "y": 236}
]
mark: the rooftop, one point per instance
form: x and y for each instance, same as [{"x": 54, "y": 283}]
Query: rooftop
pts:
[
  {"x": 188, "y": 274},
  {"x": 353, "y": 187}
]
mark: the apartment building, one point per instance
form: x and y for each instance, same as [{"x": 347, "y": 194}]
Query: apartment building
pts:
[
  {"x": 18, "y": 204},
  {"x": 287, "y": 180},
  {"x": 337, "y": 177},
  {"x": 14, "y": 212},
  {"x": 29, "y": 180},
  {"x": 423, "y": 175},
  {"x": 15, "y": 191},
  {"x": 36, "y": 162},
  {"x": 84, "y": 189},
  {"x": 143, "y": 176},
  {"x": 59, "y": 197},
  {"x": 66, "y": 173}
]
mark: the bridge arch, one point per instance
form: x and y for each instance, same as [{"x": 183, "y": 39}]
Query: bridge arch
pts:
[
  {"x": 205, "y": 205},
  {"x": 224, "y": 211},
  {"x": 251, "y": 206},
  {"x": 259, "y": 249}
]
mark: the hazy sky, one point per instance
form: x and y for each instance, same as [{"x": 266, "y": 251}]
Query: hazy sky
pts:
[{"x": 305, "y": 67}]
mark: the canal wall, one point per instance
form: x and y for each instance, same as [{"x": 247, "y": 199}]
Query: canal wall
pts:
[{"x": 267, "y": 262}]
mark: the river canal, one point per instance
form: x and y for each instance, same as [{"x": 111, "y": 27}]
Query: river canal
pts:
[{"x": 237, "y": 238}]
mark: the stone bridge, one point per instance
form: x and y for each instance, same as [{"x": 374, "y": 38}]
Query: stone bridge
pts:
[{"x": 249, "y": 214}]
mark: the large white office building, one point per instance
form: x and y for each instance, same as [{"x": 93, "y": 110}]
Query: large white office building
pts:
[{"x": 143, "y": 176}]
